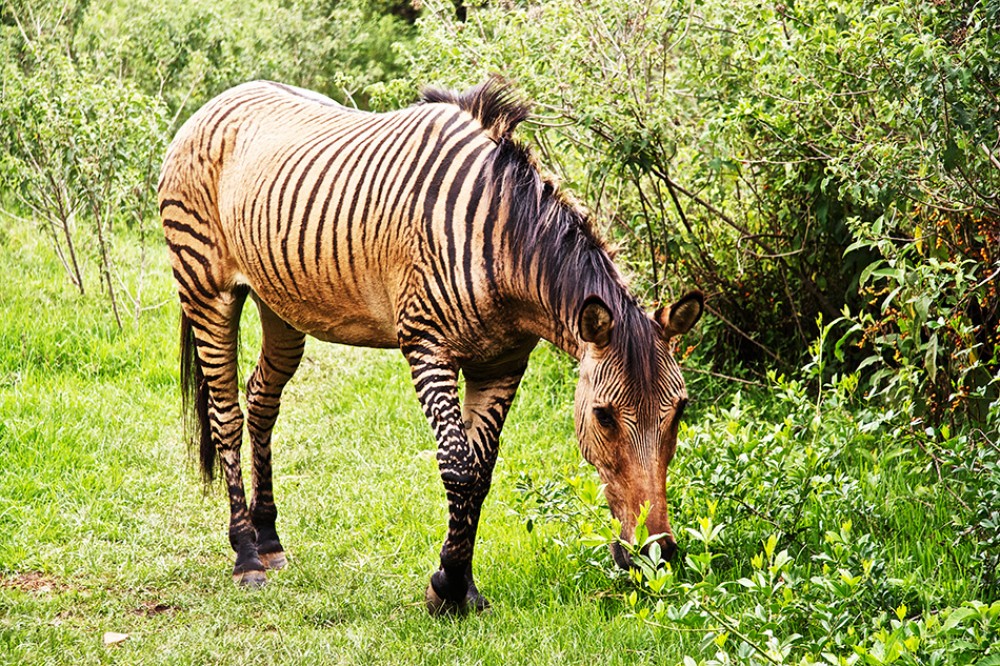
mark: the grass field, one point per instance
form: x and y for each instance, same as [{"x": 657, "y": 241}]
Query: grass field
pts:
[{"x": 104, "y": 526}]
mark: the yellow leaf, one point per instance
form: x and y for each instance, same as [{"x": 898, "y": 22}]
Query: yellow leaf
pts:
[{"x": 772, "y": 543}]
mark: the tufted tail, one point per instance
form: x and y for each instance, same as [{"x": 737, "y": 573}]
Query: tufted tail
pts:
[{"x": 194, "y": 392}]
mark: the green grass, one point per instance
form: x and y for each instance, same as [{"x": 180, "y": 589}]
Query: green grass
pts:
[{"x": 104, "y": 525}]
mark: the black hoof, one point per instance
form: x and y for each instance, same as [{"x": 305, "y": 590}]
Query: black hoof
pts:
[
  {"x": 439, "y": 607},
  {"x": 476, "y": 602},
  {"x": 250, "y": 580},
  {"x": 436, "y": 606}
]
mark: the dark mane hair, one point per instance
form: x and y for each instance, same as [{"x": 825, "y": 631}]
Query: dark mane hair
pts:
[
  {"x": 543, "y": 221},
  {"x": 544, "y": 226},
  {"x": 493, "y": 103}
]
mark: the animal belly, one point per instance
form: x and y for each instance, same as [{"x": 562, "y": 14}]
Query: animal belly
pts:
[
  {"x": 349, "y": 321},
  {"x": 355, "y": 330}
]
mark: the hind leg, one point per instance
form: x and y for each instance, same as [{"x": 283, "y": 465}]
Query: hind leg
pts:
[
  {"x": 281, "y": 351},
  {"x": 215, "y": 325}
]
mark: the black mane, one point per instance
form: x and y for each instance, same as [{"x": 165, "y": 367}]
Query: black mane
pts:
[
  {"x": 493, "y": 103},
  {"x": 545, "y": 227}
]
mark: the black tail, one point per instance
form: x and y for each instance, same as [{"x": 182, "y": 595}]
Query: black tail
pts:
[{"x": 194, "y": 391}]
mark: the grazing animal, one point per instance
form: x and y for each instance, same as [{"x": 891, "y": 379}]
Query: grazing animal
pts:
[{"x": 428, "y": 229}]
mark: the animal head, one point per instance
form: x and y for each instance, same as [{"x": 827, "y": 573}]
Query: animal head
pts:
[{"x": 629, "y": 403}]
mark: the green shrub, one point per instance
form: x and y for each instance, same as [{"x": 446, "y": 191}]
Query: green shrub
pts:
[
  {"x": 812, "y": 531},
  {"x": 186, "y": 52},
  {"x": 746, "y": 147},
  {"x": 80, "y": 154},
  {"x": 928, "y": 346}
]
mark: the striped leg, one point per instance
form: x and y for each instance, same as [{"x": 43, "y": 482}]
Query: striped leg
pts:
[
  {"x": 281, "y": 351},
  {"x": 468, "y": 439},
  {"x": 484, "y": 411},
  {"x": 216, "y": 333}
]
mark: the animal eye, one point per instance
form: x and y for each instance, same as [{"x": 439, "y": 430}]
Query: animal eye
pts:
[{"x": 604, "y": 417}]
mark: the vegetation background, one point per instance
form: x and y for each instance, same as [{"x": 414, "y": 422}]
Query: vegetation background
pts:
[{"x": 827, "y": 172}]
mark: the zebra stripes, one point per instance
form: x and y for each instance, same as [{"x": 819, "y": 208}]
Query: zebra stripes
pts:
[{"x": 428, "y": 229}]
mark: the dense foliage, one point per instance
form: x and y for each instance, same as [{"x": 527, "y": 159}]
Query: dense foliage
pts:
[
  {"x": 792, "y": 159},
  {"x": 802, "y": 163},
  {"x": 789, "y": 508},
  {"x": 82, "y": 154}
]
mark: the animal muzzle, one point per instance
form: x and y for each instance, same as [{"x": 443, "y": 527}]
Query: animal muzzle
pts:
[
  {"x": 668, "y": 550},
  {"x": 628, "y": 501},
  {"x": 657, "y": 522}
]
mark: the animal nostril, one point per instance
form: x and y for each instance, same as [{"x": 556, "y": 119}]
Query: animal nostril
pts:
[{"x": 668, "y": 549}]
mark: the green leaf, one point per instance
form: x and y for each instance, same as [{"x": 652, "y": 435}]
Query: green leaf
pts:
[
  {"x": 593, "y": 540},
  {"x": 953, "y": 155},
  {"x": 868, "y": 270},
  {"x": 956, "y": 618},
  {"x": 930, "y": 357},
  {"x": 990, "y": 660}
]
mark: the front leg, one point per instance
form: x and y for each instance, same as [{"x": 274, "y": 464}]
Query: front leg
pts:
[{"x": 467, "y": 452}]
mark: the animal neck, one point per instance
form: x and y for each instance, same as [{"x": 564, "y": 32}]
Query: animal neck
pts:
[
  {"x": 550, "y": 261},
  {"x": 556, "y": 264}
]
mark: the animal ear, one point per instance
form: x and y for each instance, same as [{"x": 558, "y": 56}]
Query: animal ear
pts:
[
  {"x": 682, "y": 315},
  {"x": 595, "y": 322}
]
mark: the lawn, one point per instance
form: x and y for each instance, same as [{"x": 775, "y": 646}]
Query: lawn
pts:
[{"x": 105, "y": 527}]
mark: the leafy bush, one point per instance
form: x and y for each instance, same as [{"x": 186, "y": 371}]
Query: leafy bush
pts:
[
  {"x": 930, "y": 348},
  {"x": 813, "y": 531},
  {"x": 745, "y": 148},
  {"x": 188, "y": 52},
  {"x": 80, "y": 153}
]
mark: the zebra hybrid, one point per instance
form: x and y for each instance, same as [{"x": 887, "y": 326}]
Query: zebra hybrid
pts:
[{"x": 428, "y": 229}]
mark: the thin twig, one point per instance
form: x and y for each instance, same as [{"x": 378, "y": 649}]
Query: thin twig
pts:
[
  {"x": 733, "y": 630},
  {"x": 937, "y": 469},
  {"x": 993, "y": 159},
  {"x": 757, "y": 513},
  {"x": 672, "y": 184},
  {"x": 702, "y": 371},
  {"x": 740, "y": 331},
  {"x": 187, "y": 98}
]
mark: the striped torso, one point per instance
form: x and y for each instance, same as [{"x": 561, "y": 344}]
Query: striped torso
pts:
[{"x": 345, "y": 223}]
